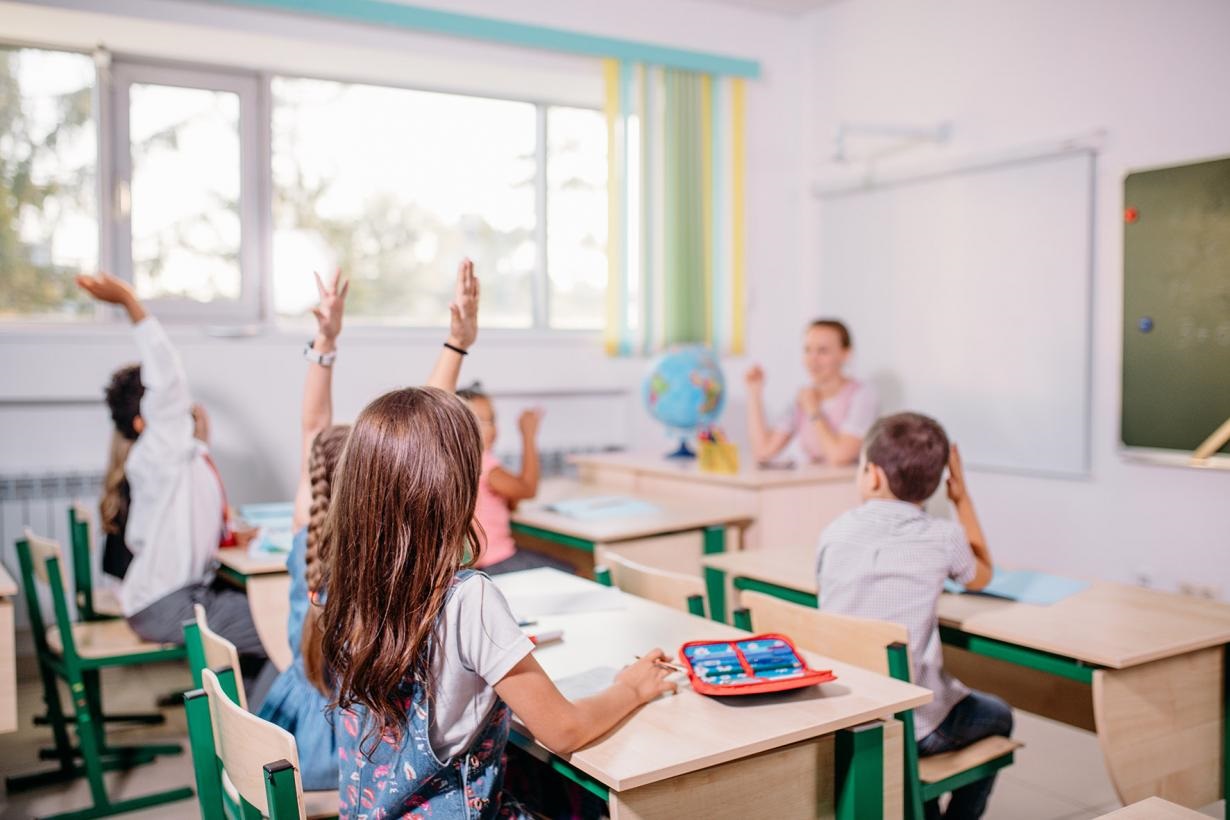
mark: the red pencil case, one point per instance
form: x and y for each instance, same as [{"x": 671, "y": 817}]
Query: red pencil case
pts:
[{"x": 749, "y": 666}]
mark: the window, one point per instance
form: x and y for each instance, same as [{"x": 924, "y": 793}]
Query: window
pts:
[
  {"x": 393, "y": 185},
  {"x": 48, "y": 161},
  {"x": 187, "y": 179}
]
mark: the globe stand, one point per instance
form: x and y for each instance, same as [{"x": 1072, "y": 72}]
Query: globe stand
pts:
[{"x": 683, "y": 452}]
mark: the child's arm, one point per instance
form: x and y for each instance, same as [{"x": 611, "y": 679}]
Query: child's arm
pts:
[
  {"x": 166, "y": 405},
  {"x": 959, "y": 495},
  {"x": 766, "y": 442},
  {"x": 524, "y": 484},
  {"x": 463, "y": 329},
  {"x": 839, "y": 448},
  {"x": 317, "y": 410},
  {"x": 564, "y": 726}
]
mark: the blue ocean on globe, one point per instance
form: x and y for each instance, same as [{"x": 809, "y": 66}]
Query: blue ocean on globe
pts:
[{"x": 684, "y": 389}]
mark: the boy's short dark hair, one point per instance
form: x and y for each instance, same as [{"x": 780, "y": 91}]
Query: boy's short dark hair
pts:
[
  {"x": 124, "y": 399},
  {"x": 912, "y": 450}
]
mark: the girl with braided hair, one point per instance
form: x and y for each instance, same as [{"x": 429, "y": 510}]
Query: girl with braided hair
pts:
[{"x": 300, "y": 696}]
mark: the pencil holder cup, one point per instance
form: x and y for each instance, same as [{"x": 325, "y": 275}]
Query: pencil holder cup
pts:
[{"x": 719, "y": 457}]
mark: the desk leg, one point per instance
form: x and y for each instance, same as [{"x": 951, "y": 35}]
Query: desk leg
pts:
[
  {"x": 1162, "y": 727},
  {"x": 860, "y": 772},
  {"x": 715, "y": 539}
]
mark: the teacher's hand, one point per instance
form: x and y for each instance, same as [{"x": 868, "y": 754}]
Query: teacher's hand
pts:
[
  {"x": 754, "y": 379},
  {"x": 809, "y": 401}
]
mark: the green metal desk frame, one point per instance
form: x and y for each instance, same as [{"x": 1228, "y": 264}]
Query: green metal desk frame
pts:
[
  {"x": 714, "y": 538},
  {"x": 1036, "y": 659}
]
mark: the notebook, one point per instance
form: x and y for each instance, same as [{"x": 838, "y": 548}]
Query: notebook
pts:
[
  {"x": 1026, "y": 586},
  {"x": 601, "y": 507}
]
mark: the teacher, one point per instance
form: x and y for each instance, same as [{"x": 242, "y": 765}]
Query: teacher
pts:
[{"x": 830, "y": 415}]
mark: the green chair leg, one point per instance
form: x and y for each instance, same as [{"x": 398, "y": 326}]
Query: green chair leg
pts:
[
  {"x": 696, "y": 605},
  {"x": 204, "y": 758},
  {"x": 860, "y": 772},
  {"x": 280, "y": 791},
  {"x": 742, "y": 618}
]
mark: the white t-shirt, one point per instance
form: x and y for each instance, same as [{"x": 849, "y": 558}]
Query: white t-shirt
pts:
[
  {"x": 481, "y": 643},
  {"x": 175, "y": 516}
]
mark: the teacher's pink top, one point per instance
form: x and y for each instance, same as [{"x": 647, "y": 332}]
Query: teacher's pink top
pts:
[
  {"x": 491, "y": 510},
  {"x": 851, "y": 411}
]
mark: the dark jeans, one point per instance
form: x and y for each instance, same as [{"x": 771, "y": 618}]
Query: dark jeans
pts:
[
  {"x": 979, "y": 715},
  {"x": 228, "y": 614}
]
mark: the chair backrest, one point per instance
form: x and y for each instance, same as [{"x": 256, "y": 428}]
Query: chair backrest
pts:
[
  {"x": 40, "y": 565},
  {"x": 209, "y": 650},
  {"x": 83, "y": 563},
  {"x": 861, "y": 642},
  {"x": 259, "y": 758},
  {"x": 674, "y": 589}
]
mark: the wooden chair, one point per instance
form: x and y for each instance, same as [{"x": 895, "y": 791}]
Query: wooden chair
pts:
[
  {"x": 211, "y": 655},
  {"x": 93, "y": 604},
  {"x": 76, "y": 652},
  {"x": 674, "y": 589},
  {"x": 883, "y": 647}
]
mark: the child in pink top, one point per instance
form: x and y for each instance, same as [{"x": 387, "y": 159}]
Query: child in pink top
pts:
[{"x": 499, "y": 490}]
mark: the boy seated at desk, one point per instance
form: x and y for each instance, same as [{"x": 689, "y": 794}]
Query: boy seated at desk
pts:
[{"x": 888, "y": 559}]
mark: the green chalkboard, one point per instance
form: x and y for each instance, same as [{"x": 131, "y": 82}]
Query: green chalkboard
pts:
[{"x": 1176, "y": 305}]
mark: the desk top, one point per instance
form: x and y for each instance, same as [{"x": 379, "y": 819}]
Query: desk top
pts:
[
  {"x": 686, "y": 732},
  {"x": 749, "y": 475},
  {"x": 672, "y": 515},
  {"x": 243, "y": 562},
  {"x": 1107, "y": 624},
  {"x": 8, "y": 587}
]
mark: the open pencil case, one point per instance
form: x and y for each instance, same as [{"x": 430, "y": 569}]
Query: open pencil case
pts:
[{"x": 750, "y": 666}]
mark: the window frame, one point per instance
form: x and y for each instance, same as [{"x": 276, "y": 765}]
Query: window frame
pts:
[{"x": 254, "y": 313}]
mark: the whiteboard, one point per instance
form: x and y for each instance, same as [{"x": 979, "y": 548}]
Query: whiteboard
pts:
[{"x": 969, "y": 298}]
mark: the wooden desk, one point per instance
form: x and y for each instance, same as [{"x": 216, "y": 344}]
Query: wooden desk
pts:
[
  {"x": 1143, "y": 669},
  {"x": 692, "y": 756},
  {"x": 789, "y": 506},
  {"x": 8, "y": 654},
  {"x": 672, "y": 537},
  {"x": 267, "y": 584}
]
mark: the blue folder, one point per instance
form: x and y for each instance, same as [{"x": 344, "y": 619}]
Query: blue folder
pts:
[
  {"x": 1026, "y": 586},
  {"x": 275, "y": 521}
]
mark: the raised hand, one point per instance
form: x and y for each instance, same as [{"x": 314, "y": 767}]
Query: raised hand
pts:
[
  {"x": 957, "y": 491},
  {"x": 106, "y": 288},
  {"x": 755, "y": 378},
  {"x": 528, "y": 422},
  {"x": 463, "y": 310},
  {"x": 332, "y": 305}
]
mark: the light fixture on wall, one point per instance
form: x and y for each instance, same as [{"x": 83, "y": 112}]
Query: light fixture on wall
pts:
[{"x": 891, "y": 139}]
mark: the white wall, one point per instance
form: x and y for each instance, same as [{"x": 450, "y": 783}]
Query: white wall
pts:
[
  {"x": 1015, "y": 72},
  {"x": 252, "y": 386}
]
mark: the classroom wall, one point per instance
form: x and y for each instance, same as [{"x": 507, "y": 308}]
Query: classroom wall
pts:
[
  {"x": 49, "y": 418},
  {"x": 1016, "y": 72}
]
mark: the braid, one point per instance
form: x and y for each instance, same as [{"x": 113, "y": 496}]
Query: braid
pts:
[{"x": 322, "y": 461}]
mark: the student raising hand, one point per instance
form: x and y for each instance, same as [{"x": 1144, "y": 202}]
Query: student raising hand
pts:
[
  {"x": 114, "y": 291},
  {"x": 332, "y": 304},
  {"x": 462, "y": 329},
  {"x": 957, "y": 492},
  {"x": 463, "y": 310}
]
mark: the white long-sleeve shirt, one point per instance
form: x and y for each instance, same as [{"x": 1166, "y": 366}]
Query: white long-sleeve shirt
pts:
[{"x": 176, "y": 508}]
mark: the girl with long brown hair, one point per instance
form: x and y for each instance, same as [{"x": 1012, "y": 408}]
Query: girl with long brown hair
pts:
[
  {"x": 423, "y": 651},
  {"x": 300, "y": 696}
]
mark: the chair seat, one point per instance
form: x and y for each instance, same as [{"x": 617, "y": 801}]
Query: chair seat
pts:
[
  {"x": 104, "y": 639},
  {"x": 936, "y": 768},
  {"x": 107, "y": 602}
]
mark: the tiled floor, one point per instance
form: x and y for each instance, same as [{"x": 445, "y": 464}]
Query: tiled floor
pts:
[{"x": 1059, "y": 774}]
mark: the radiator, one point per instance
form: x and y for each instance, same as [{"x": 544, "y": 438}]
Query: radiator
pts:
[{"x": 41, "y": 503}]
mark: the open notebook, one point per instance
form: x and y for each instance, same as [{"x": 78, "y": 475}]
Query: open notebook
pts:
[
  {"x": 601, "y": 507},
  {"x": 1026, "y": 586}
]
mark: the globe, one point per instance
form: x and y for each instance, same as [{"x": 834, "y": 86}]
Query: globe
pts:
[{"x": 685, "y": 391}]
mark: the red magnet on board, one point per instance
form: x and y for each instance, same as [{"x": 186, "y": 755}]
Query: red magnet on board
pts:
[{"x": 1130, "y": 215}]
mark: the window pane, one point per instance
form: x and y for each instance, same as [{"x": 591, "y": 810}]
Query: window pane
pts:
[
  {"x": 395, "y": 186},
  {"x": 576, "y": 217},
  {"x": 185, "y": 192},
  {"x": 48, "y": 155}
]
